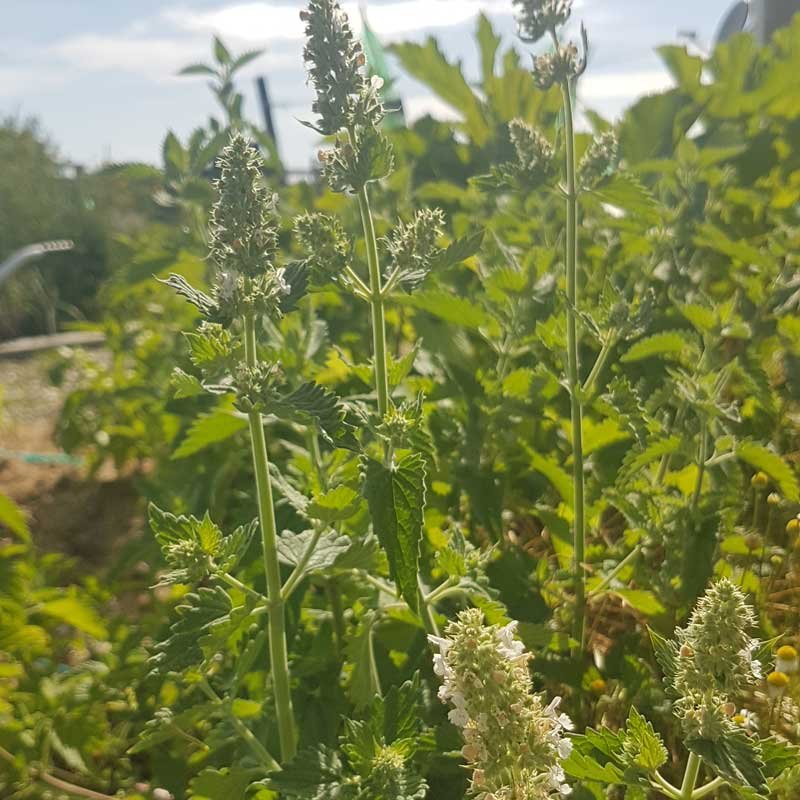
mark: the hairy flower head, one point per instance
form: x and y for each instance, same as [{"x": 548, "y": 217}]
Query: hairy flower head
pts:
[
  {"x": 335, "y": 62},
  {"x": 512, "y": 740},
  {"x": 536, "y": 18}
]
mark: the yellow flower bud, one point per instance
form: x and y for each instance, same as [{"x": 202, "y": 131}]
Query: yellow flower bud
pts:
[
  {"x": 774, "y": 499},
  {"x": 760, "y": 480},
  {"x": 778, "y": 680},
  {"x": 598, "y": 686},
  {"x": 793, "y": 526}
]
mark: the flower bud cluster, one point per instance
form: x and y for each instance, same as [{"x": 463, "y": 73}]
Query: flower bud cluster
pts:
[
  {"x": 535, "y": 163},
  {"x": 348, "y": 102},
  {"x": 329, "y": 248},
  {"x": 558, "y": 67},
  {"x": 600, "y": 160},
  {"x": 335, "y": 61},
  {"x": 243, "y": 236},
  {"x": 411, "y": 245},
  {"x": 254, "y": 385},
  {"x": 536, "y": 18},
  {"x": 513, "y": 742},
  {"x": 715, "y": 660}
]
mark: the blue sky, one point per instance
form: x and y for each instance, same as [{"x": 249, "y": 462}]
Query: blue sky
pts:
[{"x": 100, "y": 74}]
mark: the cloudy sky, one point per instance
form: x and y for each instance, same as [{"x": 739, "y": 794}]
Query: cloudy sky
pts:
[{"x": 100, "y": 75}]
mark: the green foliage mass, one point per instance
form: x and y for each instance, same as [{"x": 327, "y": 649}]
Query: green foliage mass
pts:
[{"x": 461, "y": 491}]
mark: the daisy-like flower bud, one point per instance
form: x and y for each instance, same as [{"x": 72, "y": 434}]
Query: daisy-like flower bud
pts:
[
  {"x": 536, "y": 18},
  {"x": 777, "y": 683},
  {"x": 787, "y": 660},
  {"x": 513, "y": 741},
  {"x": 760, "y": 480}
]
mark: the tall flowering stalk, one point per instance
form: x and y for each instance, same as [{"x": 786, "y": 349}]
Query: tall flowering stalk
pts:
[
  {"x": 243, "y": 245},
  {"x": 513, "y": 742},
  {"x": 562, "y": 67}
]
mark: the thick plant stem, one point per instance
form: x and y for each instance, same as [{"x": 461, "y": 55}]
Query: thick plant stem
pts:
[
  {"x": 573, "y": 381},
  {"x": 266, "y": 514},
  {"x": 376, "y": 304},
  {"x": 690, "y": 777}
]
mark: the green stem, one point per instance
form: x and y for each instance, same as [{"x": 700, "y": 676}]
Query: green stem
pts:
[
  {"x": 237, "y": 584},
  {"x": 299, "y": 570},
  {"x": 576, "y": 411},
  {"x": 711, "y": 786},
  {"x": 701, "y": 465},
  {"x": 690, "y": 776},
  {"x": 665, "y": 786},
  {"x": 599, "y": 365},
  {"x": 261, "y": 753},
  {"x": 266, "y": 514},
  {"x": 376, "y": 304}
]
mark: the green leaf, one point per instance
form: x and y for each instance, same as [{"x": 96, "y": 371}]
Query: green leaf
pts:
[
  {"x": 396, "y": 499},
  {"x": 675, "y": 345},
  {"x": 759, "y": 457},
  {"x": 642, "y": 747},
  {"x": 184, "y": 385},
  {"x": 666, "y": 652},
  {"x": 312, "y": 403},
  {"x": 735, "y": 757},
  {"x": 211, "y": 428},
  {"x": 244, "y": 708},
  {"x": 651, "y": 453},
  {"x": 198, "y": 614},
  {"x": 228, "y": 783},
  {"x": 363, "y": 684},
  {"x": 585, "y": 768},
  {"x": 210, "y": 346},
  {"x": 245, "y": 58},
  {"x": 643, "y": 600},
  {"x": 12, "y": 517},
  {"x": 329, "y": 547},
  {"x": 75, "y": 612},
  {"x": 626, "y": 193},
  {"x": 221, "y": 53},
  {"x": 314, "y": 774},
  {"x": 197, "y": 69},
  {"x": 448, "y": 307},
  {"x": 488, "y": 42},
  {"x": 336, "y": 504},
  {"x": 457, "y": 251},
  {"x": 554, "y": 473},
  {"x": 428, "y": 65},
  {"x": 778, "y": 755}
]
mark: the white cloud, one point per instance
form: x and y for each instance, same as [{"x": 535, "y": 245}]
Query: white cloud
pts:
[
  {"x": 261, "y": 21},
  {"x": 623, "y": 85}
]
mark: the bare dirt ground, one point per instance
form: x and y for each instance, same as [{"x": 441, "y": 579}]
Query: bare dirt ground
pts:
[{"x": 67, "y": 511}]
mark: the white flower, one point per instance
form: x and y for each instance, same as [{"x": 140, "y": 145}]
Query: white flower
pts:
[
  {"x": 564, "y": 748},
  {"x": 459, "y": 717}
]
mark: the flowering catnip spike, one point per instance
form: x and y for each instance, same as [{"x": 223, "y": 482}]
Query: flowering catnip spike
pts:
[
  {"x": 537, "y": 18},
  {"x": 715, "y": 660},
  {"x": 600, "y": 160},
  {"x": 243, "y": 236},
  {"x": 561, "y": 66},
  {"x": 513, "y": 742},
  {"x": 348, "y": 103},
  {"x": 329, "y": 248}
]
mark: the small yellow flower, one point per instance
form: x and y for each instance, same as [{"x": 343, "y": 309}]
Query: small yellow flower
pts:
[
  {"x": 773, "y": 499},
  {"x": 786, "y": 660},
  {"x": 760, "y": 480},
  {"x": 793, "y": 526},
  {"x": 598, "y": 686},
  {"x": 777, "y": 682}
]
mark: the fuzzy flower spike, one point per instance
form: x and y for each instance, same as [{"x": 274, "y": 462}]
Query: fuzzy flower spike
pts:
[
  {"x": 513, "y": 742},
  {"x": 715, "y": 660}
]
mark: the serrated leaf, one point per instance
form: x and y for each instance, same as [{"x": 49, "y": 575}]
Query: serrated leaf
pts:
[
  {"x": 636, "y": 462},
  {"x": 204, "y": 303},
  {"x": 292, "y": 547},
  {"x": 198, "y": 613},
  {"x": 671, "y": 345},
  {"x": 312, "y": 403},
  {"x": 314, "y": 774},
  {"x": 210, "y": 346},
  {"x": 336, "y": 504},
  {"x": 625, "y": 192},
  {"x": 457, "y": 251},
  {"x": 228, "y": 783},
  {"x": 761, "y": 458},
  {"x": 735, "y": 757},
  {"x": 234, "y": 546},
  {"x": 585, "y": 768},
  {"x": 298, "y": 501},
  {"x": 396, "y": 499},
  {"x": 778, "y": 755},
  {"x": 449, "y": 307},
  {"x": 554, "y": 473},
  {"x": 211, "y": 428},
  {"x": 666, "y": 652},
  {"x": 184, "y": 385},
  {"x": 642, "y": 747}
]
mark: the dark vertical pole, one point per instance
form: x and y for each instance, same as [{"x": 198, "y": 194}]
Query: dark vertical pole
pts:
[
  {"x": 770, "y": 15},
  {"x": 266, "y": 109}
]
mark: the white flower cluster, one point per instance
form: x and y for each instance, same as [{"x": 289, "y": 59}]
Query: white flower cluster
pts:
[{"x": 512, "y": 741}]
